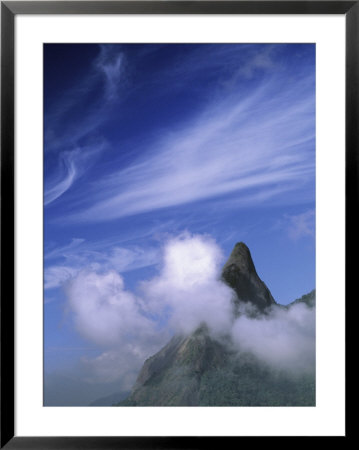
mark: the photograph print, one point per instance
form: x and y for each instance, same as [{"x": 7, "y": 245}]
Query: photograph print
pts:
[{"x": 179, "y": 225}]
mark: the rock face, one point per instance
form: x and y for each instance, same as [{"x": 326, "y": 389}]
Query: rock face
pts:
[
  {"x": 199, "y": 370},
  {"x": 241, "y": 275}
]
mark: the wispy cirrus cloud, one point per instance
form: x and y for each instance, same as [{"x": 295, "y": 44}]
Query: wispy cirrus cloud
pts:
[
  {"x": 110, "y": 62},
  {"x": 66, "y": 262},
  {"x": 301, "y": 225},
  {"x": 297, "y": 226},
  {"x": 62, "y": 251},
  {"x": 56, "y": 276},
  {"x": 71, "y": 164},
  {"x": 256, "y": 142},
  {"x": 64, "y": 136},
  {"x": 88, "y": 101},
  {"x": 61, "y": 182}
]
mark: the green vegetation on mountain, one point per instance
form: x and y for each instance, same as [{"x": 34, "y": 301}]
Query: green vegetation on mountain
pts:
[
  {"x": 308, "y": 299},
  {"x": 201, "y": 370}
]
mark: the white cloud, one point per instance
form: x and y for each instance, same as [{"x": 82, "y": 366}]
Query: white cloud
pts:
[
  {"x": 301, "y": 225},
  {"x": 71, "y": 165},
  {"x": 111, "y": 64},
  {"x": 262, "y": 60},
  {"x": 88, "y": 97},
  {"x": 188, "y": 290},
  {"x": 285, "y": 339},
  {"x": 130, "y": 329},
  {"x": 104, "y": 311},
  {"x": 126, "y": 259},
  {"x": 61, "y": 251},
  {"x": 58, "y": 188},
  {"x": 186, "y": 293},
  {"x": 259, "y": 141},
  {"x": 56, "y": 276},
  {"x": 79, "y": 255}
]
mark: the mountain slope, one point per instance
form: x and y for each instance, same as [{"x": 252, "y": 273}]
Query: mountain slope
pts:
[
  {"x": 173, "y": 375},
  {"x": 200, "y": 370},
  {"x": 307, "y": 299}
]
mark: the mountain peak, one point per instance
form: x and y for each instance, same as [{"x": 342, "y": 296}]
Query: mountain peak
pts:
[
  {"x": 240, "y": 274},
  {"x": 241, "y": 257}
]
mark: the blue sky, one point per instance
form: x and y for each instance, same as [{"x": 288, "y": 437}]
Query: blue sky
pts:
[{"x": 145, "y": 143}]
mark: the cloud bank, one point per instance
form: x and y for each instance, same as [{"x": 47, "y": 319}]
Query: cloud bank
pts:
[
  {"x": 285, "y": 339},
  {"x": 187, "y": 293}
]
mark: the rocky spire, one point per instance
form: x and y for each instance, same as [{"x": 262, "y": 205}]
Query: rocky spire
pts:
[{"x": 241, "y": 275}]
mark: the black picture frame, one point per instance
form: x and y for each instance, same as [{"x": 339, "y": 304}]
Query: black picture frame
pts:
[{"x": 9, "y": 9}]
